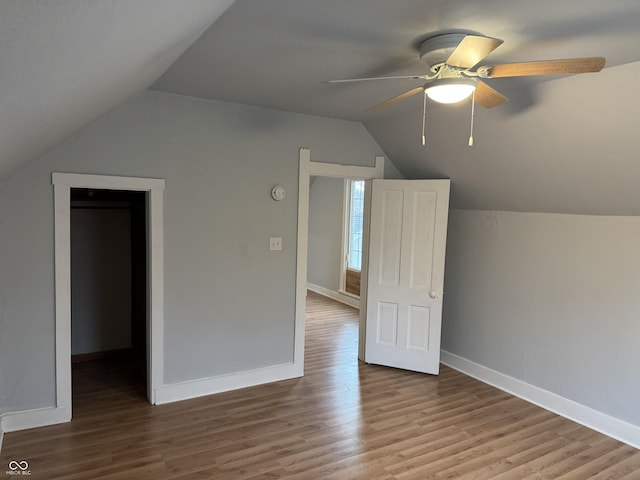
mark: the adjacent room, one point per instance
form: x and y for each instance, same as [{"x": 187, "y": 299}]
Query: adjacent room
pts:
[{"x": 252, "y": 239}]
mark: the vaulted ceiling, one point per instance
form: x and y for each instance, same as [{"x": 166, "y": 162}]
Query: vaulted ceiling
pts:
[
  {"x": 65, "y": 62},
  {"x": 561, "y": 144}
]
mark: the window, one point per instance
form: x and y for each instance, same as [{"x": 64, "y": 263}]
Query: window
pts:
[{"x": 355, "y": 222}]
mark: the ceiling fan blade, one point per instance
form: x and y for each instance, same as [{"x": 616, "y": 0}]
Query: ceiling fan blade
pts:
[
  {"x": 487, "y": 96},
  {"x": 547, "y": 67},
  {"x": 396, "y": 99},
  {"x": 471, "y": 50},
  {"x": 399, "y": 77}
]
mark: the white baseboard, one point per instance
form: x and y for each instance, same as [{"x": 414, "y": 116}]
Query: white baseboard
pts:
[
  {"x": 208, "y": 386},
  {"x": 352, "y": 301},
  {"x": 594, "y": 419},
  {"x": 39, "y": 417}
]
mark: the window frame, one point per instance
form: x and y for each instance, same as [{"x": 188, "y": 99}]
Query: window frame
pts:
[
  {"x": 349, "y": 213},
  {"x": 346, "y": 233}
]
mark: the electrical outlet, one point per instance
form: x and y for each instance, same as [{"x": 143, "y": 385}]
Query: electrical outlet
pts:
[{"x": 275, "y": 243}]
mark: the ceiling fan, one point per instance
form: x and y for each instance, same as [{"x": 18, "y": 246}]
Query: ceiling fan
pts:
[{"x": 454, "y": 75}]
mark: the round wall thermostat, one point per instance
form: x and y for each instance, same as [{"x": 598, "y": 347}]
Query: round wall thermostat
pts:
[{"x": 277, "y": 193}]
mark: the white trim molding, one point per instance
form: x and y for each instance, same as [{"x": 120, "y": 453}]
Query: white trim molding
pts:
[
  {"x": 307, "y": 170},
  {"x": 63, "y": 183},
  {"x": 339, "y": 296},
  {"x": 593, "y": 419},
  {"x": 38, "y": 417},
  {"x": 224, "y": 383}
]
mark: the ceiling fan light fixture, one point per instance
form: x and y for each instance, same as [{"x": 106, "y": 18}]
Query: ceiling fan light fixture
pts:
[{"x": 451, "y": 90}]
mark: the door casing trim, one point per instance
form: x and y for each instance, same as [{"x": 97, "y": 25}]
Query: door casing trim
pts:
[
  {"x": 306, "y": 171},
  {"x": 63, "y": 183}
]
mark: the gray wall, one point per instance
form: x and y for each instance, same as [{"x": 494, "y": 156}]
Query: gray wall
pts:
[
  {"x": 229, "y": 302},
  {"x": 326, "y": 200},
  {"x": 549, "y": 299},
  {"x": 100, "y": 279}
]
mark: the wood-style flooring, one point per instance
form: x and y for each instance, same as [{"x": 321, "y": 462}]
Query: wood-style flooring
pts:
[{"x": 342, "y": 420}]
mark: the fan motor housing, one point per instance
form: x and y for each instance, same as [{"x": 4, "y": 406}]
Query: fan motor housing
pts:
[{"x": 435, "y": 50}]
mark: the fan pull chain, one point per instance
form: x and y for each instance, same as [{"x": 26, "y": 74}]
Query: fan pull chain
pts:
[
  {"x": 473, "y": 111},
  {"x": 424, "y": 116}
]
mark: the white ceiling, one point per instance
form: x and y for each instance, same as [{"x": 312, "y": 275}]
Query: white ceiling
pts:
[{"x": 565, "y": 144}]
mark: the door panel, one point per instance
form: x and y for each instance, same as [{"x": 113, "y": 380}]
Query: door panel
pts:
[
  {"x": 387, "y": 324},
  {"x": 422, "y": 239},
  {"x": 418, "y": 324},
  {"x": 391, "y": 237},
  {"x": 405, "y": 273}
]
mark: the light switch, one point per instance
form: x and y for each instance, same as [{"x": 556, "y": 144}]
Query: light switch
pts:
[{"x": 275, "y": 243}]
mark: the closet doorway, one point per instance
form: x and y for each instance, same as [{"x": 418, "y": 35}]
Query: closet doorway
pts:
[
  {"x": 109, "y": 287},
  {"x": 153, "y": 189}
]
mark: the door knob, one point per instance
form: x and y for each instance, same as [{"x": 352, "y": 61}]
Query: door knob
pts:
[{"x": 433, "y": 294}]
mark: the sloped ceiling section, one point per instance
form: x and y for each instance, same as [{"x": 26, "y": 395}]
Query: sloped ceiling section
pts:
[
  {"x": 574, "y": 151},
  {"x": 66, "y": 62},
  {"x": 561, "y": 144}
]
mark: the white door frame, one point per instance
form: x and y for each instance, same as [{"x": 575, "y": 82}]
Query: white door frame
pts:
[
  {"x": 307, "y": 170},
  {"x": 63, "y": 183}
]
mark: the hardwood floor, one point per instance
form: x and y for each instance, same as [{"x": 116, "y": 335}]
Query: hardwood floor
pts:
[{"x": 343, "y": 420}]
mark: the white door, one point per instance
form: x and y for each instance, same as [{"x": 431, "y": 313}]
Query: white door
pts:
[{"x": 404, "y": 265}]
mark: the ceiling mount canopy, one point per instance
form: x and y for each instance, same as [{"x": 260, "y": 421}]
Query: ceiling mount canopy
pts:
[{"x": 459, "y": 50}]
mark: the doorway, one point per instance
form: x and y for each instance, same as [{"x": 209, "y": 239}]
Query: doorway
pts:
[
  {"x": 326, "y": 240},
  {"x": 109, "y": 283},
  {"x": 306, "y": 171},
  {"x": 154, "y": 189}
]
